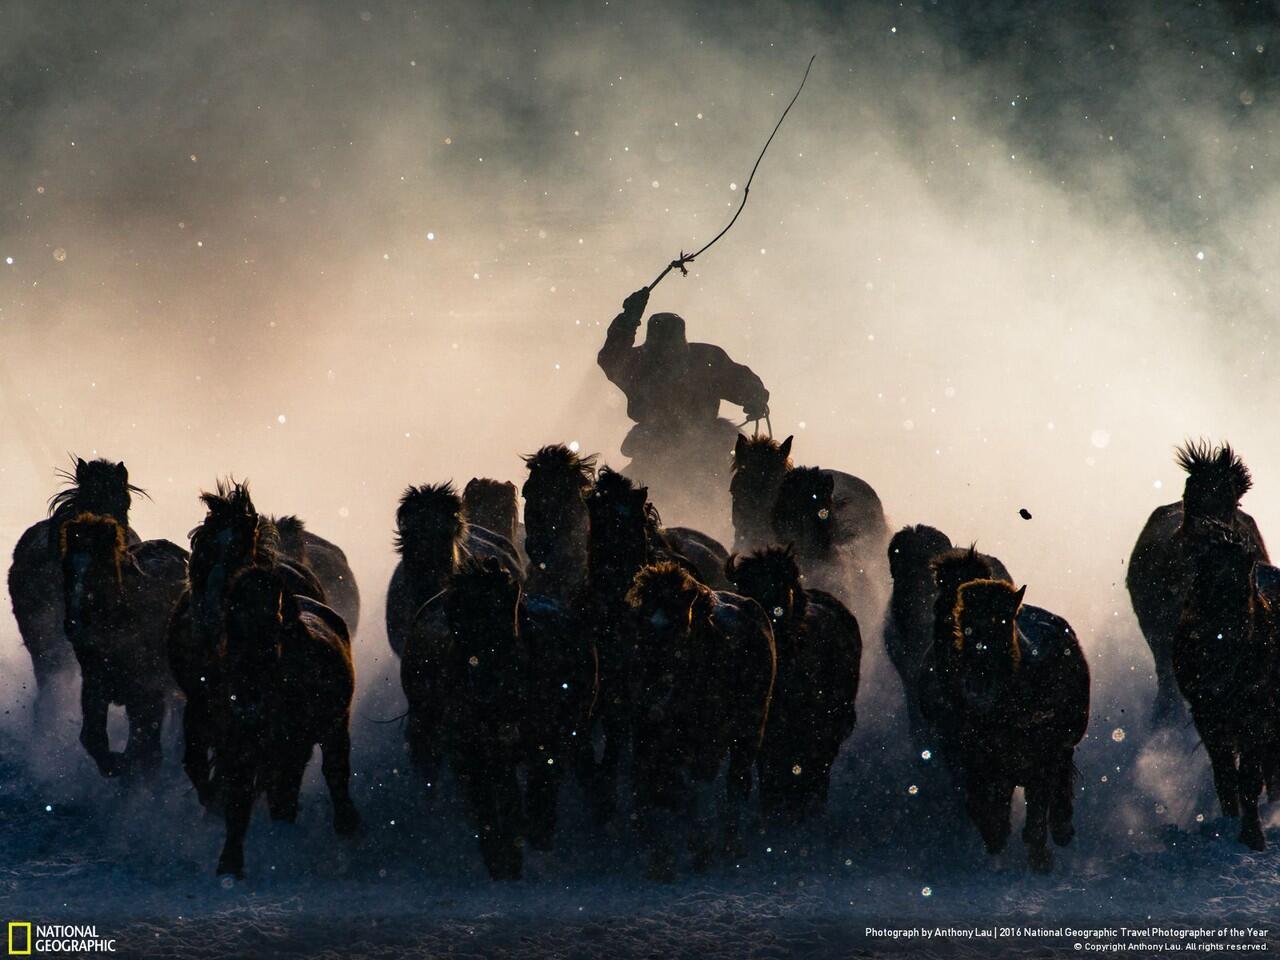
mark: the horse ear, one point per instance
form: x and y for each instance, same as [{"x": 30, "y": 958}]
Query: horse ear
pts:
[
  {"x": 785, "y": 446},
  {"x": 828, "y": 483},
  {"x": 122, "y": 473},
  {"x": 511, "y": 486},
  {"x": 1017, "y": 597},
  {"x": 740, "y": 446},
  {"x": 80, "y": 468}
]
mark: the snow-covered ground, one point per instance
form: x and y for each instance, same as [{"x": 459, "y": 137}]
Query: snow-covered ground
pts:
[{"x": 139, "y": 863}]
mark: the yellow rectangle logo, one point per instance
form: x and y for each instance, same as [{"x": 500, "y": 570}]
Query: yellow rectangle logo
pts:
[{"x": 25, "y": 950}]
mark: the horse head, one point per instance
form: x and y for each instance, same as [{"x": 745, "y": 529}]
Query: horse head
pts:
[
  {"x": 94, "y": 555},
  {"x": 771, "y": 577},
  {"x": 624, "y": 526},
  {"x": 555, "y": 508},
  {"x": 986, "y": 654},
  {"x": 431, "y": 527},
  {"x": 805, "y": 511},
  {"x": 759, "y": 464},
  {"x": 1216, "y": 480},
  {"x": 492, "y": 504}
]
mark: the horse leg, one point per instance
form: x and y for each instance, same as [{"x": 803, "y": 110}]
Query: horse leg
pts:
[
  {"x": 989, "y": 802},
  {"x": 143, "y": 751},
  {"x": 1062, "y": 801},
  {"x": 93, "y": 725},
  {"x": 509, "y": 823},
  {"x": 421, "y": 735},
  {"x": 239, "y": 807},
  {"x": 542, "y": 787},
  {"x": 1225, "y": 775},
  {"x": 196, "y": 741},
  {"x": 1250, "y": 786},
  {"x": 283, "y": 780},
  {"x": 1035, "y": 832},
  {"x": 605, "y": 790},
  {"x": 698, "y": 822},
  {"x": 335, "y": 764}
]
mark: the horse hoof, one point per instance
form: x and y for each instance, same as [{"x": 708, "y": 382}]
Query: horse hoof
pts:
[
  {"x": 1251, "y": 836},
  {"x": 346, "y": 822},
  {"x": 1063, "y": 834},
  {"x": 230, "y": 868}
]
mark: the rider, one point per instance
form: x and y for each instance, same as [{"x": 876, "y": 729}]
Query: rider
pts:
[{"x": 674, "y": 389}]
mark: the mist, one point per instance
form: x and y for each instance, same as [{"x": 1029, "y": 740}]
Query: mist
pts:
[{"x": 997, "y": 260}]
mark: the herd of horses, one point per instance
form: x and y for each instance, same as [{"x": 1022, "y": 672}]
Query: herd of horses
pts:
[{"x": 589, "y": 641}]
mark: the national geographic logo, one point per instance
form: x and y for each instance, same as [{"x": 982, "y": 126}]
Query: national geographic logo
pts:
[{"x": 26, "y": 938}]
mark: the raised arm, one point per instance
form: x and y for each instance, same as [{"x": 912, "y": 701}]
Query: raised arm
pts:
[
  {"x": 617, "y": 356},
  {"x": 736, "y": 382}
]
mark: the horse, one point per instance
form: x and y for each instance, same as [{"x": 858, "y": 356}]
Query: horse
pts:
[
  {"x": 97, "y": 487},
  {"x": 117, "y": 600},
  {"x": 494, "y": 505},
  {"x": 327, "y": 561},
  {"x": 760, "y": 464},
  {"x": 482, "y": 681},
  {"x": 1012, "y": 690},
  {"x": 433, "y": 537},
  {"x": 1159, "y": 572},
  {"x": 562, "y": 662},
  {"x": 705, "y": 667},
  {"x": 819, "y": 650},
  {"x": 910, "y": 621},
  {"x": 231, "y": 537},
  {"x": 288, "y": 678},
  {"x": 1226, "y": 661}
]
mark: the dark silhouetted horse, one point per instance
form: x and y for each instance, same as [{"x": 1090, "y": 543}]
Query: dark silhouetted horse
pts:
[
  {"x": 1226, "y": 660},
  {"x": 1159, "y": 572},
  {"x": 913, "y": 608},
  {"x": 97, "y": 487},
  {"x": 562, "y": 664},
  {"x": 288, "y": 678},
  {"x": 329, "y": 564},
  {"x": 705, "y": 665},
  {"x": 433, "y": 538},
  {"x": 759, "y": 465},
  {"x": 814, "y": 698},
  {"x": 117, "y": 600},
  {"x": 231, "y": 538},
  {"x": 1012, "y": 692}
]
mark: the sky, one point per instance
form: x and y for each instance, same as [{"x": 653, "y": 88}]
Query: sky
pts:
[{"x": 1000, "y": 256}]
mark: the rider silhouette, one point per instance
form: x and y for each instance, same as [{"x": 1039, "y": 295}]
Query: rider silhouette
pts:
[{"x": 673, "y": 391}]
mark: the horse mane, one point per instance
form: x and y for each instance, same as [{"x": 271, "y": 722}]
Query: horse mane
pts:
[
  {"x": 662, "y": 579},
  {"x": 423, "y": 504},
  {"x": 91, "y": 486},
  {"x": 761, "y": 443},
  {"x": 229, "y": 501},
  {"x": 229, "y": 496},
  {"x": 962, "y": 565},
  {"x": 558, "y": 461},
  {"x": 980, "y": 594},
  {"x": 776, "y": 564},
  {"x": 612, "y": 485},
  {"x": 1210, "y": 469},
  {"x": 290, "y": 529},
  {"x": 800, "y": 487}
]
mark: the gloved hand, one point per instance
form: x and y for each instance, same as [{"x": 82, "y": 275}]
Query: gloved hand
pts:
[
  {"x": 633, "y": 306},
  {"x": 756, "y": 412}
]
